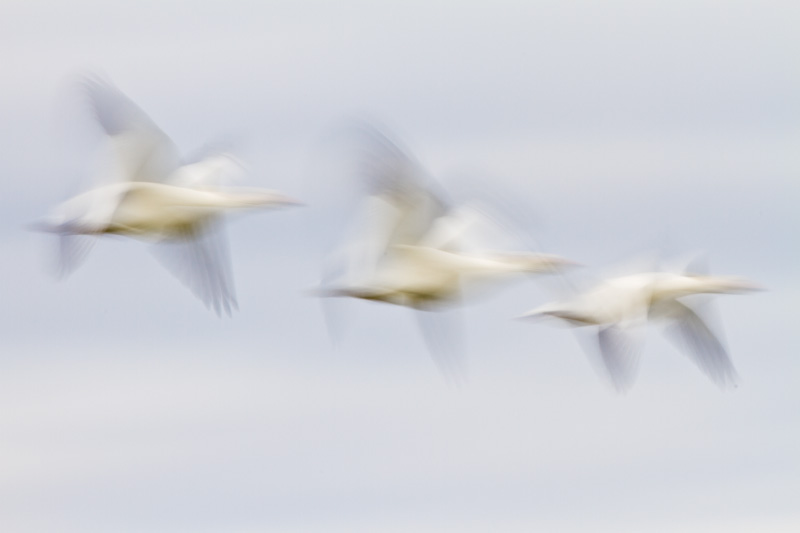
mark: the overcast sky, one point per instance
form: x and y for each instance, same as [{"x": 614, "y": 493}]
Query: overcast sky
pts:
[{"x": 618, "y": 127}]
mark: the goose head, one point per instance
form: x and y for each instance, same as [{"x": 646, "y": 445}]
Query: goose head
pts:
[
  {"x": 535, "y": 263},
  {"x": 571, "y": 314},
  {"x": 723, "y": 284},
  {"x": 247, "y": 198}
]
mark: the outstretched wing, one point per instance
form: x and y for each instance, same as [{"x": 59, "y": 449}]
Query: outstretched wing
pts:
[
  {"x": 620, "y": 351},
  {"x": 400, "y": 207},
  {"x": 442, "y": 334},
  {"x": 201, "y": 261},
  {"x": 140, "y": 150},
  {"x": 336, "y": 268},
  {"x": 391, "y": 174},
  {"x": 705, "y": 350},
  {"x": 72, "y": 251},
  {"x": 212, "y": 171}
]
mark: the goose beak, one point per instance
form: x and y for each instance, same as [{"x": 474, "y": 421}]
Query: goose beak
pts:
[
  {"x": 281, "y": 200},
  {"x": 40, "y": 226},
  {"x": 569, "y": 263},
  {"x": 557, "y": 263},
  {"x": 752, "y": 286},
  {"x": 744, "y": 285},
  {"x": 534, "y": 314}
]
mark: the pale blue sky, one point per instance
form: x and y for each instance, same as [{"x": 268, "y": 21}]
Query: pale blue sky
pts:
[{"x": 622, "y": 125}]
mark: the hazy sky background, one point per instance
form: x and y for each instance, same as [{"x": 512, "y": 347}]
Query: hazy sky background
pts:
[{"x": 620, "y": 125}]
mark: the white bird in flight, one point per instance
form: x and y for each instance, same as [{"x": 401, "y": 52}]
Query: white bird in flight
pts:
[
  {"x": 621, "y": 306},
  {"x": 149, "y": 194},
  {"x": 417, "y": 251}
]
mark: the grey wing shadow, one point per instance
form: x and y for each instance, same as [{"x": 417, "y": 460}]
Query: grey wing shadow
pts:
[
  {"x": 614, "y": 353},
  {"x": 72, "y": 252},
  {"x": 201, "y": 261},
  {"x": 443, "y": 336},
  {"x": 692, "y": 334}
]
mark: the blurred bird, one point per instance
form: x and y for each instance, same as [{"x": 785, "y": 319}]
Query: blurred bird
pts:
[
  {"x": 621, "y": 306},
  {"x": 150, "y": 194},
  {"x": 416, "y": 250}
]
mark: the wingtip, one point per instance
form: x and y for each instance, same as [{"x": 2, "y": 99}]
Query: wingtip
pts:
[
  {"x": 40, "y": 226},
  {"x": 533, "y": 315}
]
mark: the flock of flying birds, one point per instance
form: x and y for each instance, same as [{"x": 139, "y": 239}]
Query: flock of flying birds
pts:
[{"x": 412, "y": 247}]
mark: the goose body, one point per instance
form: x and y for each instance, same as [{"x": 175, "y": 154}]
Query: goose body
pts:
[
  {"x": 423, "y": 277},
  {"x": 152, "y": 210}
]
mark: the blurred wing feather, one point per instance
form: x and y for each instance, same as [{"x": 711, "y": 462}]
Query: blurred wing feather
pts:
[
  {"x": 72, "y": 252},
  {"x": 391, "y": 174},
  {"x": 620, "y": 353},
  {"x": 201, "y": 261},
  {"x": 141, "y": 151},
  {"x": 443, "y": 337},
  {"x": 701, "y": 345}
]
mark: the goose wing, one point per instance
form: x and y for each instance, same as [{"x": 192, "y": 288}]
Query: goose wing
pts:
[
  {"x": 441, "y": 331},
  {"x": 400, "y": 206},
  {"x": 140, "y": 150},
  {"x": 620, "y": 307},
  {"x": 200, "y": 259},
  {"x": 208, "y": 170},
  {"x": 690, "y": 332},
  {"x": 72, "y": 251},
  {"x": 393, "y": 175},
  {"x": 620, "y": 350}
]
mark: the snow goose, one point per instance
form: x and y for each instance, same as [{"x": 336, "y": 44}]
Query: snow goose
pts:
[
  {"x": 149, "y": 193},
  {"x": 414, "y": 249},
  {"x": 621, "y": 306}
]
